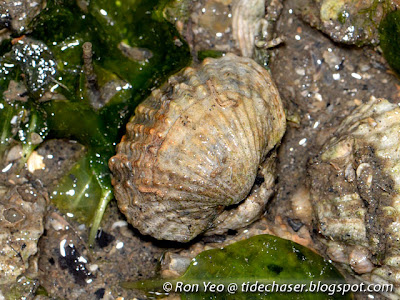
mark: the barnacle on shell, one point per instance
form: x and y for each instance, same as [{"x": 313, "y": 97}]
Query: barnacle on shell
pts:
[
  {"x": 355, "y": 192},
  {"x": 194, "y": 146}
]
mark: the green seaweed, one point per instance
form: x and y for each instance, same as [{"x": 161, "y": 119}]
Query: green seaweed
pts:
[
  {"x": 261, "y": 259},
  {"x": 209, "y": 53},
  {"x": 59, "y": 21},
  {"x": 105, "y": 24},
  {"x": 389, "y": 33},
  {"x": 19, "y": 122},
  {"x": 342, "y": 16},
  {"x": 58, "y": 35},
  {"x": 74, "y": 191},
  {"x": 77, "y": 120}
]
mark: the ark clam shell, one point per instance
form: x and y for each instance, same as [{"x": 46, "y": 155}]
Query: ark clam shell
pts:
[{"x": 194, "y": 146}]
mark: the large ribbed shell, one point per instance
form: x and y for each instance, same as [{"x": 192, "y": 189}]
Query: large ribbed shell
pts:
[
  {"x": 194, "y": 146},
  {"x": 355, "y": 191}
]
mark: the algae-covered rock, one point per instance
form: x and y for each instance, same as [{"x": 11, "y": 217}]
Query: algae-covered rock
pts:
[
  {"x": 17, "y": 15},
  {"x": 37, "y": 64},
  {"x": 346, "y": 21}
]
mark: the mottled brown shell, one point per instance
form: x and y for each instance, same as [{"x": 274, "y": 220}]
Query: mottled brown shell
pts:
[{"x": 194, "y": 146}]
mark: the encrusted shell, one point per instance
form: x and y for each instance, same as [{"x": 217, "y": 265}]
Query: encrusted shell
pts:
[
  {"x": 22, "y": 210},
  {"x": 355, "y": 191},
  {"x": 194, "y": 146}
]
